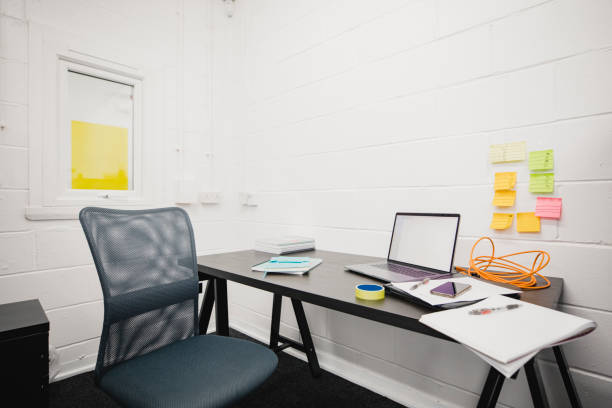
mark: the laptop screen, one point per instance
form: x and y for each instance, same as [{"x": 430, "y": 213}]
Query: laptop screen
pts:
[{"x": 425, "y": 240}]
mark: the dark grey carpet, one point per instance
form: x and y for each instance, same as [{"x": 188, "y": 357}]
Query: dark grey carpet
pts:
[{"x": 290, "y": 386}]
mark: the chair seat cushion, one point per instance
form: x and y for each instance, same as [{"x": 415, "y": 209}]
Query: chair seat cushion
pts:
[{"x": 201, "y": 371}]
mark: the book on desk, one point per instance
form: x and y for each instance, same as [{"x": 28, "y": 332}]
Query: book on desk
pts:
[{"x": 284, "y": 244}]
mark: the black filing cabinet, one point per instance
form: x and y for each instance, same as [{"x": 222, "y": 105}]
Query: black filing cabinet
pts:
[{"x": 24, "y": 354}]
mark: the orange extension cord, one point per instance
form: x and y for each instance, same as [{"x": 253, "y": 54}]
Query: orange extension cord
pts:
[{"x": 518, "y": 275}]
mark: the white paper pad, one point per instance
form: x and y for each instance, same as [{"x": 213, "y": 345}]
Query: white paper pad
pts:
[
  {"x": 479, "y": 290},
  {"x": 506, "y": 369},
  {"x": 510, "y": 337}
]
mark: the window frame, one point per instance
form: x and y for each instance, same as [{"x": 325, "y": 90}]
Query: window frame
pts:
[{"x": 63, "y": 191}]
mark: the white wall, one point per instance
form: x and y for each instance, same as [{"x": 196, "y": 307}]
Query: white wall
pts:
[
  {"x": 354, "y": 110},
  {"x": 336, "y": 114},
  {"x": 50, "y": 260}
]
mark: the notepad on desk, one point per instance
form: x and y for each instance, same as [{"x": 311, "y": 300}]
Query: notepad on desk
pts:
[
  {"x": 287, "y": 264},
  {"x": 507, "y": 336},
  {"x": 479, "y": 290}
]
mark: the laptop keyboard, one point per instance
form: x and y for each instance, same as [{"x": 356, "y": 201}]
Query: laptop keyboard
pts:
[{"x": 405, "y": 270}]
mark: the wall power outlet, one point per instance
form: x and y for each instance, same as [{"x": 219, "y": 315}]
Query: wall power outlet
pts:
[
  {"x": 248, "y": 199},
  {"x": 210, "y": 197}
]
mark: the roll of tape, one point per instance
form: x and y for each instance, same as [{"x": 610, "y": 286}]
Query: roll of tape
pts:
[{"x": 369, "y": 292}]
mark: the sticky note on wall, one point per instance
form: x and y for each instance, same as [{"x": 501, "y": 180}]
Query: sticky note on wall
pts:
[
  {"x": 504, "y": 198},
  {"x": 541, "y": 160},
  {"x": 507, "y": 152},
  {"x": 541, "y": 183},
  {"x": 496, "y": 153},
  {"x": 501, "y": 221},
  {"x": 548, "y": 207},
  {"x": 504, "y": 181},
  {"x": 527, "y": 222}
]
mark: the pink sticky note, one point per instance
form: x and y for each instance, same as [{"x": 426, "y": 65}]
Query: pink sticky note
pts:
[{"x": 548, "y": 207}]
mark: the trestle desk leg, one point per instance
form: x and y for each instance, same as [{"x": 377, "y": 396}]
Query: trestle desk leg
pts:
[
  {"x": 309, "y": 349},
  {"x": 221, "y": 317},
  {"x": 567, "y": 377},
  {"x": 538, "y": 395},
  {"x": 277, "y": 303},
  {"x": 491, "y": 389},
  {"x": 207, "y": 306}
]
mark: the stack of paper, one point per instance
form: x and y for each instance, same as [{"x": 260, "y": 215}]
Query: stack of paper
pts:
[
  {"x": 508, "y": 337},
  {"x": 287, "y": 264},
  {"x": 284, "y": 244}
]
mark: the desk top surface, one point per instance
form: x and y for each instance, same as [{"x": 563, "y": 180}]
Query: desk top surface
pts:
[{"x": 330, "y": 285}]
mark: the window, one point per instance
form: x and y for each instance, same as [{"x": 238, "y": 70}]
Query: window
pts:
[
  {"x": 100, "y": 116},
  {"x": 99, "y": 134}
]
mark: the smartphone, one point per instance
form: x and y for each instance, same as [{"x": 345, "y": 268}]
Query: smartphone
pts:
[{"x": 450, "y": 289}]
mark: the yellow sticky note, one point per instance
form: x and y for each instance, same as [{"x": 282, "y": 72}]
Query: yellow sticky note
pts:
[
  {"x": 541, "y": 160},
  {"x": 496, "y": 153},
  {"x": 527, "y": 222},
  {"x": 541, "y": 183},
  {"x": 507, "y": 152},
  {"x": 501, "y": 221},
  {"x": 504, "y": 181},
  {"x": 99, "y": 157},
  {"x": 504, "y": 198}
]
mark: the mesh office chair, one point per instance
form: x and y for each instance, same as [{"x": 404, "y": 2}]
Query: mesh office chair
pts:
[{"x": 150, "y": 352}]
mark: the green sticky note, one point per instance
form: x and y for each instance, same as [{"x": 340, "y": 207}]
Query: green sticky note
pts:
[
  {"x": 541, "y": 160},
  {"x": 541, "y": 183}
]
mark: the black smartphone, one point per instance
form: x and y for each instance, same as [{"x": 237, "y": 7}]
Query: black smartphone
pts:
[{"x": 450, "y": 289}]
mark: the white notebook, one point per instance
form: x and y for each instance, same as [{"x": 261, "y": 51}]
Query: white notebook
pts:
[{"x": 507, "y": 336}]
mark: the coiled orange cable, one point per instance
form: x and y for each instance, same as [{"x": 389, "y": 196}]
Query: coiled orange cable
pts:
[{"x": 516, "y": 274}]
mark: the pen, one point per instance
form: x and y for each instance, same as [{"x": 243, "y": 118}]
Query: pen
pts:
[
  {"x": 487, "y": 310},
  {"x": 423, "y": 282},
  {"x": 273, "y": 261}
]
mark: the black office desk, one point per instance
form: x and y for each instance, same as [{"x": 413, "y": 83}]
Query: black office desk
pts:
[{"x": 330, "y": 286}]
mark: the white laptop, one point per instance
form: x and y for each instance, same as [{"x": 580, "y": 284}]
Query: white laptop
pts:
[{"x": 422, "y": 246}]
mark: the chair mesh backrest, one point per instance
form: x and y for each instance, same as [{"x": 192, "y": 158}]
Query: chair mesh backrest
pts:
[{"x": 147, "y": 266}]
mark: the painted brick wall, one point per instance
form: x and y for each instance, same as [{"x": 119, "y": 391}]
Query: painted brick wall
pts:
[
  {"x": 349, "y": 111},
  {"x": 361, "y": 109}
]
